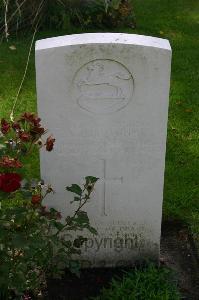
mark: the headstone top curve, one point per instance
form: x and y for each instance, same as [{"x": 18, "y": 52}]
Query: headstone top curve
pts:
[{"x": 103, "y": 38}]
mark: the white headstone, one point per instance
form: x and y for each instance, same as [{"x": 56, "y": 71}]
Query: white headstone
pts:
[{"x": 104, "y": 96}]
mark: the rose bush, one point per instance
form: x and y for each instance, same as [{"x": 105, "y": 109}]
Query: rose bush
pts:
[{"x": 32, "y": 246}]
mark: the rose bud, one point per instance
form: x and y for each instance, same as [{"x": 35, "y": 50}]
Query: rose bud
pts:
[
  {"x": 9, "y": 162},
  {"x": 49, "y": 143},
  {"x": 16, "y": 126},
  {"x": 36, "y": 121},
  {"x": 36, "y": 199},
  {"x": 5, "y": 126},
  {"x": 24, "y": 136},
  {"x": 27, "y": 116}
]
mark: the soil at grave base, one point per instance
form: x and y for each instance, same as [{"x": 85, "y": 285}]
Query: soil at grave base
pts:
[{"x": 177, "y": 252}]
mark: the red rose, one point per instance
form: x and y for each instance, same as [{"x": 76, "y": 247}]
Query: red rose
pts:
[
  {"x": 5, "y": 126},
  {"x": 36, "y": 199},
  {"x": 1, "y": 180},
  {"x": 49, "y": 143},
  {"x": 10, "y": 182}
]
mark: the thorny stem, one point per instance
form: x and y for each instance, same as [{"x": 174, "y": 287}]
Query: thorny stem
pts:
[
  {"x": 30, "y": 148},
  {"x": 85, "y": 198},
  {"x": 44, "y": 196}
]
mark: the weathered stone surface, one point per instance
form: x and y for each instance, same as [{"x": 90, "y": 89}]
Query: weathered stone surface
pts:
[{"x": 105, "y": 96}]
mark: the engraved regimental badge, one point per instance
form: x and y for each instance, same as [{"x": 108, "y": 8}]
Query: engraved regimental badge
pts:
[{"x": 103, "y": 86}]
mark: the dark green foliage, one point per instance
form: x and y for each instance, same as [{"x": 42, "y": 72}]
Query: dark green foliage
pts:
[
  {"x": 21, "y": 14},
  {"x": 74, "y": 188},
  {"x": 33, "y": 244},
  {"x": 104, "y": 14}
]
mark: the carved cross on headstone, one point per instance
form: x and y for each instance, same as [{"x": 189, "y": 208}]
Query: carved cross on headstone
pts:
[{"x": 105, "y": 180}]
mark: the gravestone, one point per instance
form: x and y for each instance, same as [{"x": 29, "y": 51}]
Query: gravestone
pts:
[{"x": 104, "y": 96}]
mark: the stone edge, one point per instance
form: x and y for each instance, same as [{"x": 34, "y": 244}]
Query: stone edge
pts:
[{"x": 103, "y": 38}]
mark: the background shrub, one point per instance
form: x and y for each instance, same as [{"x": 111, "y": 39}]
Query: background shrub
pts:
[
  {"x": 61, "y": 14},
  {"x": 103, "y": 13}
]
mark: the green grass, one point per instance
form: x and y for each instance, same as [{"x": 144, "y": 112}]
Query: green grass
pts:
[
  {"x": 150, "y": 283},
  {"x": 179, "y": 22}
]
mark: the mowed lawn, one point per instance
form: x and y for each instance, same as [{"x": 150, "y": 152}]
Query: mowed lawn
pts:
[{"x": 177, "y": 21}]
